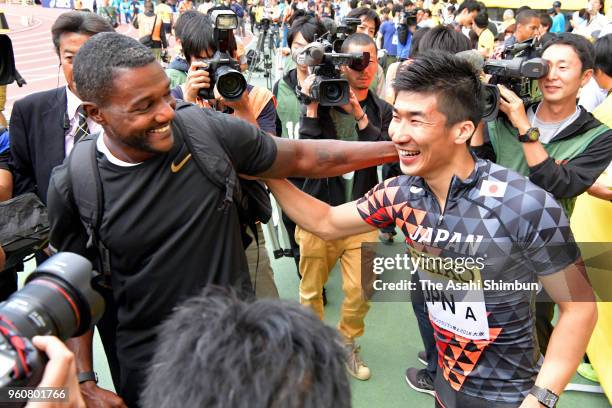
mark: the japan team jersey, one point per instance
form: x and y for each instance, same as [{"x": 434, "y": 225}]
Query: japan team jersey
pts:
[{"x": 513, "y": 232}]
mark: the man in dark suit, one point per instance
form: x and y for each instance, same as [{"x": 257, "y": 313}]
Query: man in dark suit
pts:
[{"x": 43, "y": 125}]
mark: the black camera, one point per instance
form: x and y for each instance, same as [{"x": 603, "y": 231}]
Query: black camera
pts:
[
  {"x": 328, "y": 88},
  {"x": 347, "y": 27},
  {"x": 407, "y": 19},
  {"x": 223, "y": 69},
  {"x": 517, "y": 72},
  {"x": 57, "y": 300},
  {"x": 264, "y": 23}
]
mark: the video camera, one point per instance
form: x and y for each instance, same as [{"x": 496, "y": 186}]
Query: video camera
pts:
[
  {"x": 328, "y": 88},
  {"x": 264, "y": 23},
  {"x": 57, "y": 300},
  {"x": 223, "y": 69},
  {"x": 516, "y": 71},
  {"x": 407, "y": 19},
  {"x": 347, "y": 27}
]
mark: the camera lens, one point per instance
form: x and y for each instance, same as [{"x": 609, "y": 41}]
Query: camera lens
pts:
[
  {"x": 57, "y": 300},
  {"x": 230, "y": 82},
  {"x": 333, "y": 92},
  {"x": 490, "y": 104}
]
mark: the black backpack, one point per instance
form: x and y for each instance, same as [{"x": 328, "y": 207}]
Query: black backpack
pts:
[{"x": 250, "y": 196}]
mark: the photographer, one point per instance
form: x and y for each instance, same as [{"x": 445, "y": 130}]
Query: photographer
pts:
[
  {"x": 365, "y": 118},
  {"x": 560, "y": 146},
  {"x": 303, "y": 31},
  {"x": 197, "y": 38},
  {"x": 370, "y": 23},
  {"x": 255, "y": 106},
  {"x": 59, "y": 372}
]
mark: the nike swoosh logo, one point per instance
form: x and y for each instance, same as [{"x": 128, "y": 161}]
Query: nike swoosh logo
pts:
[{"x": 175, "y": 168}]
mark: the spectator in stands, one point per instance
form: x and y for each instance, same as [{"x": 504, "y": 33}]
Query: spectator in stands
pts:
[
  {"x": 238, "y": 354},
  {"x": 558, "y": 20},
  {"x": 527, "y": 27},
  {"x": 151, "y": 27},
  {"x": 595, "y": 20},
  {"x": 164, "y": 12},
  {"x": 544, "y": 34},
  {"x": 507, "y": 20},
  {"x": 465, "y": 14},
  {"x": 486, "y": 39},
  {"x": 387, "y": 36}
]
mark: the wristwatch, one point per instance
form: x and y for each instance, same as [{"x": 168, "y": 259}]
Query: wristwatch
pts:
[
  {"x": 88, "y": 376},
  {"x": 545, "y": 396},
  {"x": 530, "y": 136}
]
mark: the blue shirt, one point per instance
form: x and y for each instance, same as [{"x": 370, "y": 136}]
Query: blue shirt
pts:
[
  {"x": 558, "y": 25},
  {"x": 404, "y": 50},
  {"x": 389, "y": 33},
  {"x": 4, "y": 150}
]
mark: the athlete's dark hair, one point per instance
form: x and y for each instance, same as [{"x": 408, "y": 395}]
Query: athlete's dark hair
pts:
[
  {"x": 79, "y": 22},
  {"x": 368, "y": 13},
  {"x": 603, "y": 54},
  {"x": 182, "y": 20},
  {"x": 217, "y": 351},
  {"x": 358, "y": 39},
  {"x": 452, "y": 79},
  {"x": 446, "y": 39},
  {"x": 97, "y": 61},
  {"x": 580, "y": 44},
  {"x": 308, "y": 26}
]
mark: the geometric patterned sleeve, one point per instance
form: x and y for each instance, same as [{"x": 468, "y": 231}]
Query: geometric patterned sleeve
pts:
[
  {"x": 547, "y": 238},
  {"x": 375, "y": 207}
]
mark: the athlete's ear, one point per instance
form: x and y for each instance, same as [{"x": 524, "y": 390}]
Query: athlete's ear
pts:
[
  {"x": 94, "y": 112},
  {"x": 462, "y": 131}
]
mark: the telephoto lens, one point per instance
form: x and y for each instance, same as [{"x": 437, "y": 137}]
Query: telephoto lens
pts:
[{"x": 57, "y": 300}]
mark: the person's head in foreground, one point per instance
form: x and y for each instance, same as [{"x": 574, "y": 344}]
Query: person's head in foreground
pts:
[
  {"x": 219, "y": 351},
  {"x": 125, "y": 90},
  {"x": 437, "y": 109}
]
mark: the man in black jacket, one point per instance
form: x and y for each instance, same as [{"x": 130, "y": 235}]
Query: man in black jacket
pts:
[
  {"x": 560, "y": 146},
  {"x": 365, "y": 118}
]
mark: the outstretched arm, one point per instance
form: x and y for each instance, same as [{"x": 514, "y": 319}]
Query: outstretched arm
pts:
[
  {"x": 572, "y": 292},
  {"x": 326, "y": 158},
  {"x": 316, "y": 216}
]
